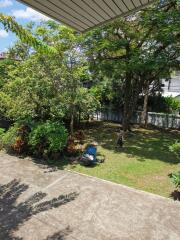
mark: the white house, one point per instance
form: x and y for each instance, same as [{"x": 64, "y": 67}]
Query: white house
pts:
[{"x": 172, "y": 86}]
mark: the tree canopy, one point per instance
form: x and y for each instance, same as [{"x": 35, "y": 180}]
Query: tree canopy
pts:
[
  {"x": 25, "y": 36},
  {"x": 136, "y": 51},
  {"x": 68, "y": 75},
  {"x": 41, "y": 86}
]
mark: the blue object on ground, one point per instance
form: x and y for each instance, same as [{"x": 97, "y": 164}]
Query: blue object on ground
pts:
[{"x": 91, "y": 150}]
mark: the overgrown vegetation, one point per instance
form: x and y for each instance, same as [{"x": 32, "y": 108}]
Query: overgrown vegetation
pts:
[
  {"x": 176, "y": 179},
  {"x": 173, "y": 105},
  {"x": 10, "y": 139},
  {"x": 39, "y": 139},
  {"x": 133, "y": 54},
  {"x": 2, "y": 130},
  {"x": 42, "y": 87},
  {"x": 175, "y": 148},
  {"x": 62, "y": 77},
  {"x": 113, "y": 64},
  {"x": 47, "y": 138}
]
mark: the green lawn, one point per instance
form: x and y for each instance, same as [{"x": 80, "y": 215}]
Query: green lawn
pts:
[{"x": 144, "y": 162}]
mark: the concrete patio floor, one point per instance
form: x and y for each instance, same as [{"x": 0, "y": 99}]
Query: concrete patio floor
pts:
[{"x": 39, "y": 204}]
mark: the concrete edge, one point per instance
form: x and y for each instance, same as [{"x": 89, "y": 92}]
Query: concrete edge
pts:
[{"x": 125, "y": 187}]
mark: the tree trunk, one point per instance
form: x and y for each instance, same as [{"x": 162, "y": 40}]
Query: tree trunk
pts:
[
  {"x": 144, "y": 115},
  {"x": 79, "y": 118},
  {"x": 130, "y": 100},
  {"x": 72, "y": 122},
  {"x": 126, "y": 120}
]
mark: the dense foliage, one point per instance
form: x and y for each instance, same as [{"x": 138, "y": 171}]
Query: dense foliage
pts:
[
  {"x": 175, "y": 148},
  {"x": 25, "y": 36},
  {"x": 38, "y": 139},
  {"x": 176, "y": 179},
  {"x": 50, "y": 87},
  {"x": 173, "y": 105},
  {"x": 135, "y": 52},
  {"x": 2, "y": 130},
  {"x": 10, "y": 139},
  {"x": 48, "y": 137},
  {"x": 68, "y": 76}
]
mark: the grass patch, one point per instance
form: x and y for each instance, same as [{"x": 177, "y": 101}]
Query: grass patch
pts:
[{"x": 144, "y": 162}]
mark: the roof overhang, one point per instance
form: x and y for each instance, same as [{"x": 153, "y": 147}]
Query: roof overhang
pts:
[{"x": 84, "y": 15}]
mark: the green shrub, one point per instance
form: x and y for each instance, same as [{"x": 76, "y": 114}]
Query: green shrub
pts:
[
  {"x": 2, "y": 130},
  {"x": 176, "y": 179},
  {"x": 15, "y": 139},
  {"x": 175, "y": 148},
  {"x": 48, "y": 137},
  {"x": 173, "y": 104},
  {"x": 41, "y": 139},
  {"x": 8, "y": 139}
]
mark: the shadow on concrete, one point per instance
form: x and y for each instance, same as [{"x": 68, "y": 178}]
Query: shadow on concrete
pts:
[
  {"x": 47, "y": 165},
  {"x": 175, "y": 195},
  {"x": 60, "y": 235},
  {"x": 12, "y": 215}
]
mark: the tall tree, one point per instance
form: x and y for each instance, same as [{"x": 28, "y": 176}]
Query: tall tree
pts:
[
  {"x": 133, "y": 49},
  {"x": 49, "y": 86}
]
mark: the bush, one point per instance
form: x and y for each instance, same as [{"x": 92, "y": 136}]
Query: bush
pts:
[
  {"x": 2, "y": 130},
  {"x": 41, "y": 139},
  {"x": 175, "y": 148},
  {"x": 176, "y": 179},
  {"x": 8, "y": 139},
  {"x": 173, "y": 104},
  {"x": 47, "y": 138},
  {"x": 16, "y": 138}
]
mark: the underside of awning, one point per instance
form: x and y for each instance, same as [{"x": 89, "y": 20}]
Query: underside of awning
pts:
[{"x": 84, "y": 15}]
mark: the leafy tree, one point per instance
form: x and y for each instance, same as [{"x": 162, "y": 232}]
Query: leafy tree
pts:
[
  {"x": 163, "y": 55},
  {"x": 134, "y": 52},
  {"x": 49, "y": 86},
  {"x": 173, "y": 104},
  {"x": 5, "y": 66},
  {"x": 25, "y": 36}
]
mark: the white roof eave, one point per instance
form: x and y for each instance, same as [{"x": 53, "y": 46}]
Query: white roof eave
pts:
[{"x": 83, "y": 15}]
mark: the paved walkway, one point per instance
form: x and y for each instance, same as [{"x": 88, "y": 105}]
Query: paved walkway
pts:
[{"x": 38, "y": 204}]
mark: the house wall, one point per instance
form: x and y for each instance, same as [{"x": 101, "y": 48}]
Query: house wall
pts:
[{"x": 173, "y": 85}]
